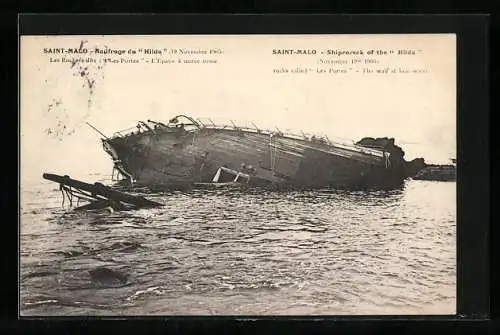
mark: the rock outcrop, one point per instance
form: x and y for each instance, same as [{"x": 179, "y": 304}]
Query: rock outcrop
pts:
[
  {"x": 398, "y": 163},
  {"x": 437, "y": 173}
]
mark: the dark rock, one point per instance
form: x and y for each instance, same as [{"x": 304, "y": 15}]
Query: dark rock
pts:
[
  {"x": 105, "y": 276},
  {"x": 414, "y": 166},
  {"x": 384, "y": 143},
  {"x": 437, "y": 173}
]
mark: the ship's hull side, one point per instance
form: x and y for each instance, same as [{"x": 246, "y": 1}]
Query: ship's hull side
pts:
[{"x": 180, "y": 157}]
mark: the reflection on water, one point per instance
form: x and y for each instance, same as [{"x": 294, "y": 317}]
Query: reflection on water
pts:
[{"x": 253, "y": 252}]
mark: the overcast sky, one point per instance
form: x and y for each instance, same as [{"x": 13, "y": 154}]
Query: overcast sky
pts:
[{"x": 413, "y": 108}]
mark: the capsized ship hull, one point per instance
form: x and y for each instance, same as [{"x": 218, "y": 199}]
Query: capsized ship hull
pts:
[{"x": 186, "y": 152}]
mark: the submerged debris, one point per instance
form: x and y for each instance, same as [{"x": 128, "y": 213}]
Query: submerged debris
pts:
[{"x": 98, "y": 195}]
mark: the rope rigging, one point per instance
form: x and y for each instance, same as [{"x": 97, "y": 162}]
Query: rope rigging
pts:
[{"x": 70, "y": 193}]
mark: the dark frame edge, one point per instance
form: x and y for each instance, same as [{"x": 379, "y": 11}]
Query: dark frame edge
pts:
[{"x": 479, "y": 268}]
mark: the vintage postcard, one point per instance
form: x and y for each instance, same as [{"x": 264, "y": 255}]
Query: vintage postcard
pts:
[{"x": 238, "y": 175}]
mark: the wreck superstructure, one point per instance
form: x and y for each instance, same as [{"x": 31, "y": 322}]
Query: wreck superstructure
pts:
[{"x": 186, "y": 151}]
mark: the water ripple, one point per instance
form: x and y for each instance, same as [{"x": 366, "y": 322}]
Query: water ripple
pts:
[{"x": 225, "y": 251}]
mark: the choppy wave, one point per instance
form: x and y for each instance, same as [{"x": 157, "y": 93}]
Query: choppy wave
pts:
[{"x": 253, "y": 252}]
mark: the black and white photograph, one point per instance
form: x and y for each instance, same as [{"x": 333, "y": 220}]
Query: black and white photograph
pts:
[{"x": 266, "y": 175}]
